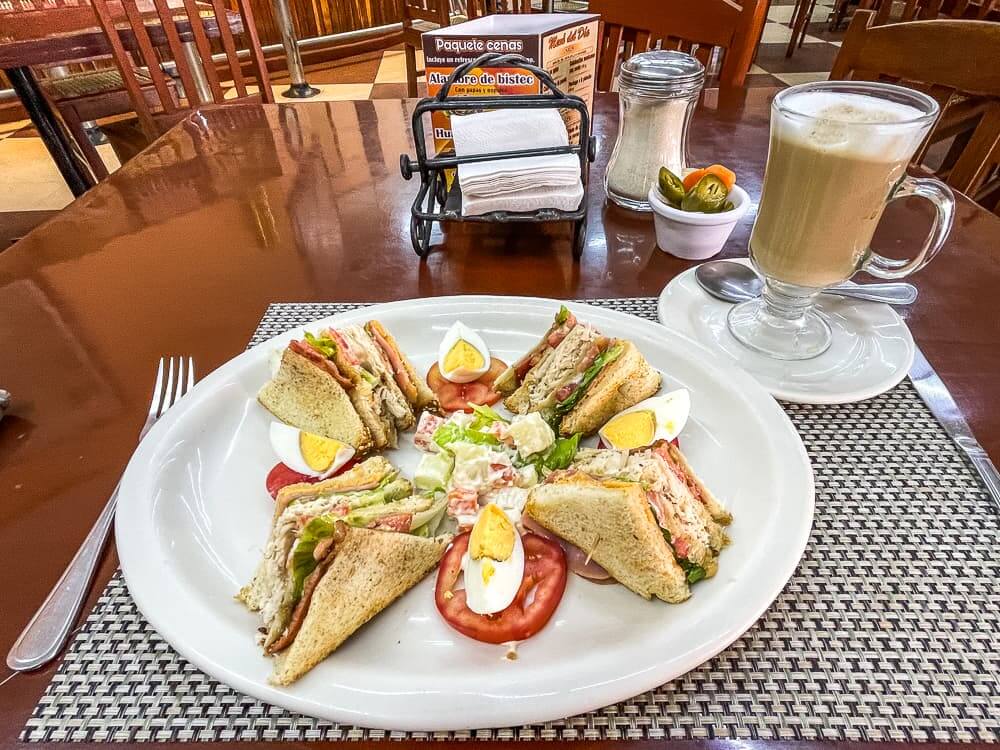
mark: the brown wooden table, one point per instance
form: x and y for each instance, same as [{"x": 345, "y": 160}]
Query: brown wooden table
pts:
[{"x": 181, "y": 250}]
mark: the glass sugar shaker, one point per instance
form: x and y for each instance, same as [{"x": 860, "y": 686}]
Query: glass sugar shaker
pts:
[{"x": 658, "y": 91}]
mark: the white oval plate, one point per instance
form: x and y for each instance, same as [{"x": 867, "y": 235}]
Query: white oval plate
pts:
[
  {"x": 872, "y": 347},
  {"x": 193, "y": 515}
]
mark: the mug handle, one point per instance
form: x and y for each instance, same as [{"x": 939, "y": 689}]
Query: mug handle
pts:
[{"x": 943, "y": 199}]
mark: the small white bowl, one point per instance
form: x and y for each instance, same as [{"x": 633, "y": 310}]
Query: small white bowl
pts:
[{"x": 692, "y": 235}]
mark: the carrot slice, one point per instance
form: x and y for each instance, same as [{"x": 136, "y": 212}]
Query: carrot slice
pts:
[{"x": 727, "y": 176}]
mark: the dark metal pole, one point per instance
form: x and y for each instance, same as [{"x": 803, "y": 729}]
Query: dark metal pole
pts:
[{"x": 76, "y": 173}]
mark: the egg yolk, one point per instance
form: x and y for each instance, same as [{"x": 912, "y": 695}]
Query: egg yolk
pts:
[
  {"x": 492, "y": 536},
  {"x": 318, "y": 452},
  {"x": 488, "y": 571},
  {"x": 632, "y": 430},
  {"x": 463, "y": 355}
]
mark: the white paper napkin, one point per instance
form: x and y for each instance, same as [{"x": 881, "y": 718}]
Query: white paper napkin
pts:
[{"x": 519, "y": 184}]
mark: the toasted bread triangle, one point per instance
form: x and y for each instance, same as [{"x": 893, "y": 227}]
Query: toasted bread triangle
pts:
[
  {"x": 612, "y": 522},
  {"x": 370, "y": 570},
  {"x": 620, "y": 384},
  {"x": 304, "y": 396}
]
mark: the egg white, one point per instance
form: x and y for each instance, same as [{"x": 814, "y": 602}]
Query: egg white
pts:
[
  {"x": 486, "y": 599},
  {"x": 460, "y": 331},
  {"x": 285, "y": 442},
  {"x": 670, "y": 414}
]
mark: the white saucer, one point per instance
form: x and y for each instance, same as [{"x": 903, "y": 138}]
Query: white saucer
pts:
[{"x": 872, "y": 348}]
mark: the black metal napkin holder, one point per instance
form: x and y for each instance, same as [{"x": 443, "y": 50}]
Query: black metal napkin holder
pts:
[{"x": 433, "y": 183}]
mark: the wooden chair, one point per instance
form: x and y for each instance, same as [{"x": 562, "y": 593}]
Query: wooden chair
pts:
[
  {"x": 426, "y": 15},
  {"x": 948, "y": 60},
  {"x": 920, "y": 10},
  {"x": 180, "y": 33},
  {"x": 695, "y": 26},
  {"x": 88, "y": 95}
]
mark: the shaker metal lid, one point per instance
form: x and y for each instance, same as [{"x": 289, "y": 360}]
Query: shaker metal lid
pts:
[{"x": 662, "y": 72}]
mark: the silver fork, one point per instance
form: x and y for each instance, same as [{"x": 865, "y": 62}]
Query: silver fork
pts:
[{"x": 44, "y": 637}]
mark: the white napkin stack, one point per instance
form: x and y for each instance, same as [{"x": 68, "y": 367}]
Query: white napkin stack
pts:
[{"x": 520, "y": 184}]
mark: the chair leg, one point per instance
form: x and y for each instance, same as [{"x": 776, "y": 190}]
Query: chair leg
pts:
[
  {"x": 75, "y": 126},
  {"x": 801, "y": 19},
  {"x": 808, "y": 20},
  {"x": 410, "y": 53}
]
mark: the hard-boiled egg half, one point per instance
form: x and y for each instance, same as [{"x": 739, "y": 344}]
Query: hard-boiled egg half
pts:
[
  {"x": 463, "y": 355},
  {"x": 306, "y": 453},
  {"x": 657, "y": 418},
  {"x": 494, "y": 563}
]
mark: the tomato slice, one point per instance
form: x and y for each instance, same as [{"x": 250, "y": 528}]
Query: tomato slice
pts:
[
  {"x": 282, "y": 476},
  {"x": 458, "y": 396},
  {"x": 544, "y": 571}
]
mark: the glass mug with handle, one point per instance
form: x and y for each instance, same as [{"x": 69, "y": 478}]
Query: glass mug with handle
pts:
[{"x": 837, "y": 157}]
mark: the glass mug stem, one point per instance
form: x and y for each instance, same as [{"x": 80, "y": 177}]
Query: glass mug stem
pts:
[{"x": 943, "y": 200}]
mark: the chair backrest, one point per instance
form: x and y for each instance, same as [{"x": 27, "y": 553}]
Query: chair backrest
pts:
[
  {"x": 432, "y": 11},
  {"x": 928, "y": 10},
  {"x": 981, "y": 10},
  {"x": 694, "y": 26},
  {"x": 955, "y": 62},
  {"x": 510, "y": 6},
  {"x": 184, "y": 32}
]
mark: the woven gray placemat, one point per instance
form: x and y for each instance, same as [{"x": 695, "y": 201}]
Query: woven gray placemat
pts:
[{"x": 888, "y": 630}]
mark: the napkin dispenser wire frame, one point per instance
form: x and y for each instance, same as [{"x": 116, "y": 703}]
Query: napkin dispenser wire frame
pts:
[{"x": 435, "y": 202}]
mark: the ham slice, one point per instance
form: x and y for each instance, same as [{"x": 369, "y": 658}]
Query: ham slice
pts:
[
  {"x": 293, "y": 492},
  {"x": 399, "y": 371},
  {"x": 400, "y": 522},
  {"x": 302, "y": 348}
]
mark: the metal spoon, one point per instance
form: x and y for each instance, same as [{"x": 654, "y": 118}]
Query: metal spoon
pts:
[{"x": 734, "y": 282}]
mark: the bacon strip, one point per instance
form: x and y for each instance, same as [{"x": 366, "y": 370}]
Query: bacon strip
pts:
[
  {"x": 308, "y": 587},
  {"x": 301, "y": 347},
  {"x": 299, "y": 613}
]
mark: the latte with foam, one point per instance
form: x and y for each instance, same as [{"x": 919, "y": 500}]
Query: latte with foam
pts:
[{"x": 834, "y": 161}]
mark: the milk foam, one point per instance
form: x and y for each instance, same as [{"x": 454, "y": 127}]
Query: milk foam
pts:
[{"x": 835, "y": 120}]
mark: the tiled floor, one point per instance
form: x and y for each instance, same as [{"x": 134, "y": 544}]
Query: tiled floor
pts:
[{"x": 29, "y": 180}]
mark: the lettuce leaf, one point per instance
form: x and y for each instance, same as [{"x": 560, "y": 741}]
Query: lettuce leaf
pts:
[
  {"x": 563, "y": 315},
  {"x": 368, "y": 377},
  {"x": 693, "y": 571},
  {"x": 450, "y": 432},
  {"x": 426, "y": 522},
  {"x": 322, "y": 343},
  {"x": 609, "y": 355},
  {"x": 485, "y": 416},
  {"x": 303, "y": 563},
  {"x": 562, "y": 453}
]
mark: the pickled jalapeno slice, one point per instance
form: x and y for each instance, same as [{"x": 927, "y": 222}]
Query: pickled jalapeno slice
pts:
[
  {"x": 707, "y": 196},
  {"x": 671, "y": 187}
]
